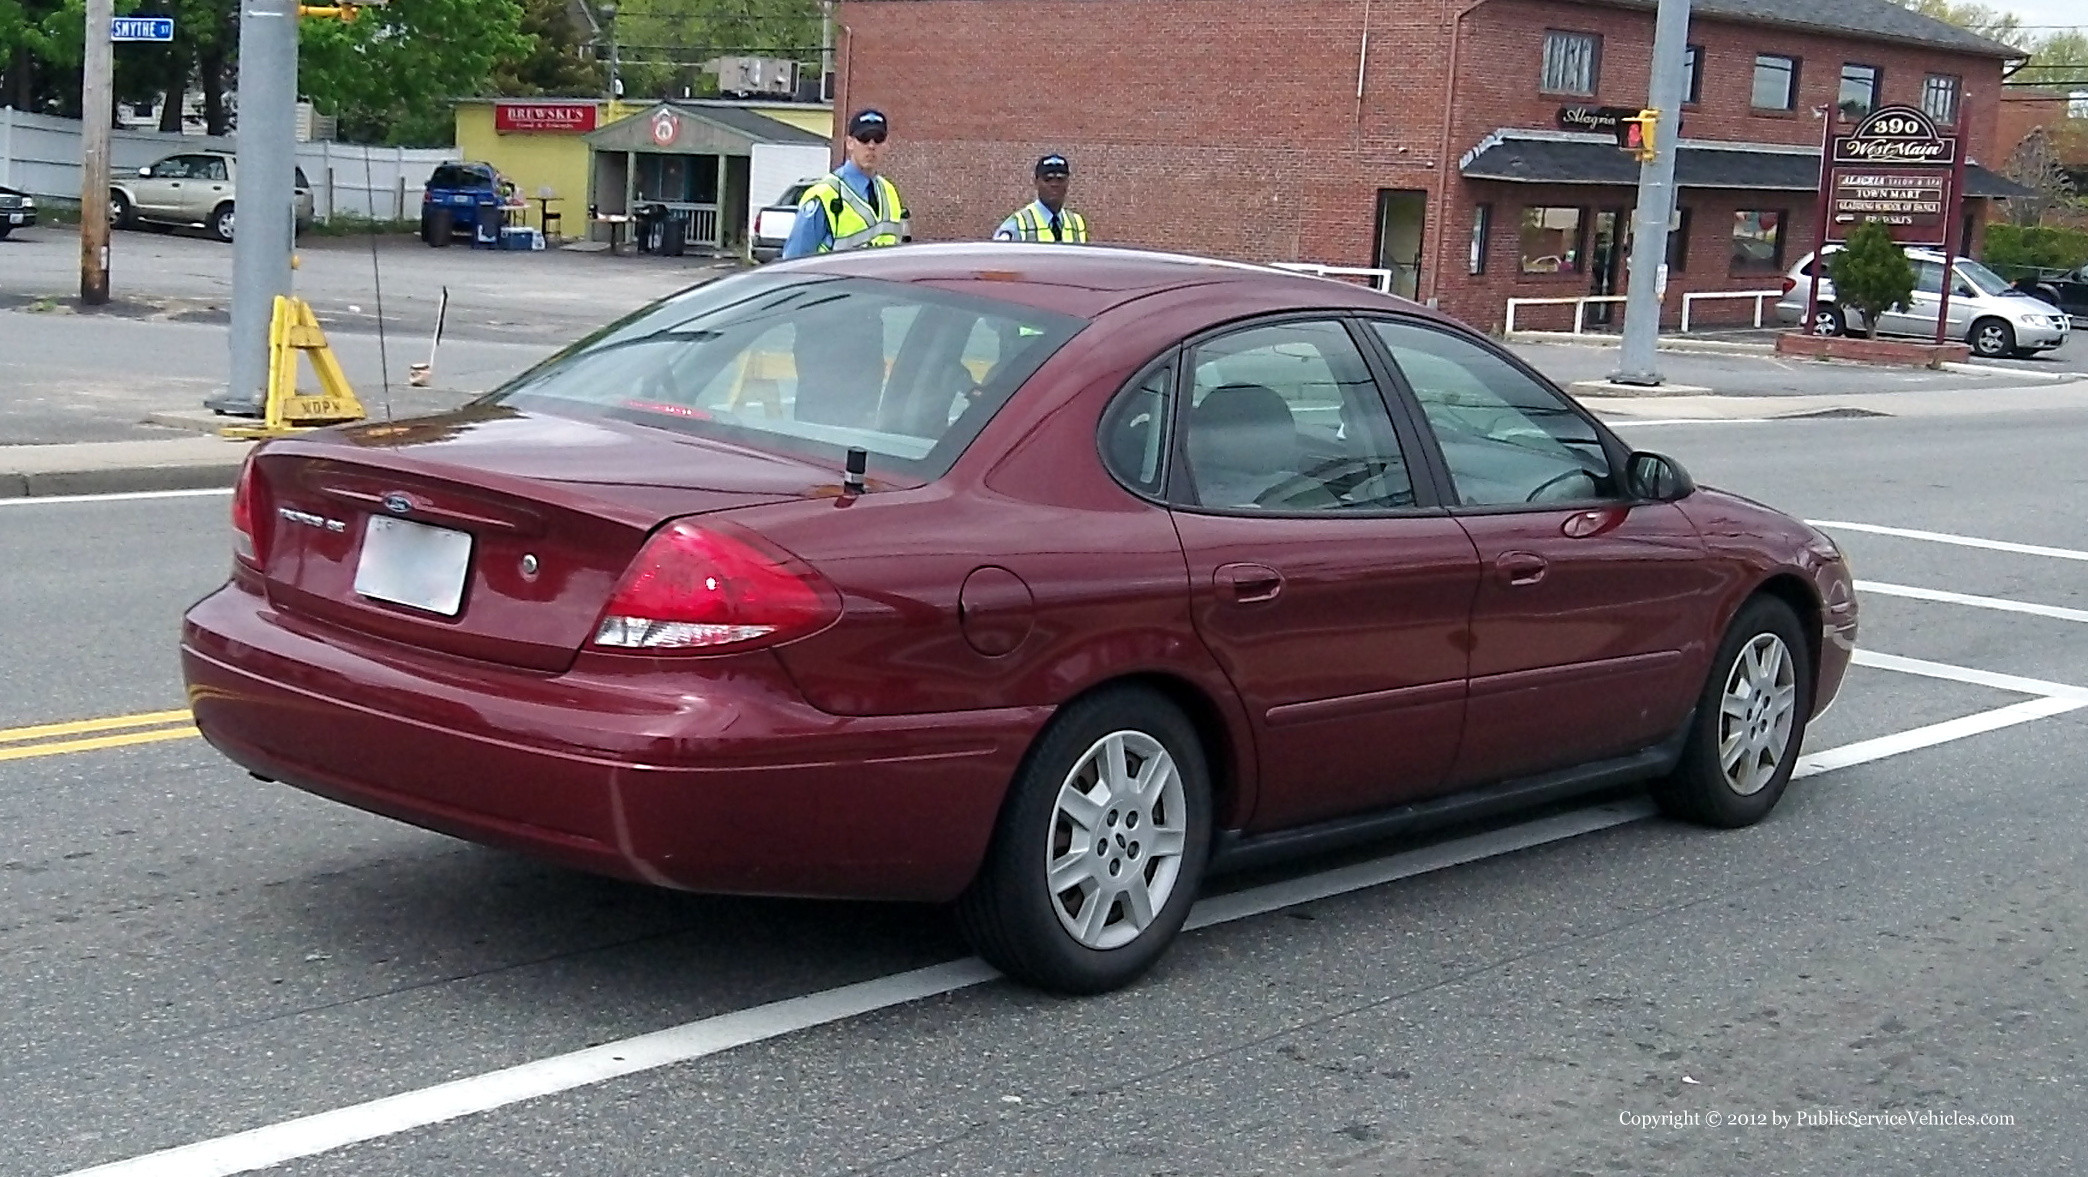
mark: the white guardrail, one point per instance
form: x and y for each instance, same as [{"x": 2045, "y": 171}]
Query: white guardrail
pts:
[
  {"x": 1579, "y": 305},
  {"x": 1380, "y": 280},
  {"x": 1757, "y": 295}
]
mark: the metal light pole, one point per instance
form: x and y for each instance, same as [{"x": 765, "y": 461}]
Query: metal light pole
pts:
[
  {"x": 1656, "y": 198},
  {"x": 97, "y": 111},
  {"x": 266, "y": 224}
]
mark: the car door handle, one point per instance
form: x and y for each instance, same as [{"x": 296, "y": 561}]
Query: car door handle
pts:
[
  {"x": 1248, "y": 584},
  {"x": 1520, "y": 568}
]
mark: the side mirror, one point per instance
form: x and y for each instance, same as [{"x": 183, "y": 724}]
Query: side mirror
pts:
[
  {"x": 1657, "y": 478},
  {"x": 145, "y": 173}
]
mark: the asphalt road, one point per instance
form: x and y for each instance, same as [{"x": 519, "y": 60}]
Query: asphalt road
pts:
[
  {"x": 187, "y": 954},
  {"x": 1773, "y": 375}
]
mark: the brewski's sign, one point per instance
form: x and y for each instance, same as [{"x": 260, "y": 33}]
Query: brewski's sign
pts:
[{"x": 1894, "y": 169}]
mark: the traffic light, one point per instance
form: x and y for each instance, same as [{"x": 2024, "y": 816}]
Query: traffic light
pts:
[{"x": 1639, "y": 133}]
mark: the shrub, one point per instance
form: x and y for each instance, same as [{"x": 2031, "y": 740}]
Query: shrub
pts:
[
  {"x": 1871, "y": 275},
  {"x": 2013, "y": 250}
]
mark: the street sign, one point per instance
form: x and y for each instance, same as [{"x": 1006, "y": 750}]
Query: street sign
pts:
[
  {"x": 1894, "y": 168},
  {"x": 141, "y": 28}
]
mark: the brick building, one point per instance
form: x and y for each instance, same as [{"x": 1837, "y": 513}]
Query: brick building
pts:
[{"x": 1427, "y": 137}]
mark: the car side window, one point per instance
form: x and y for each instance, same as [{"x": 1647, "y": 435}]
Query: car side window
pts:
[
  {"x": 1508, "y": 439},
  {"x": 1928, "y": 278},
  {"x": 1135, "y": 430},
  {"x": 174, "y": 167},
  {"x": 1287, "y": 418},
  {"x": 214, "y": 169}
]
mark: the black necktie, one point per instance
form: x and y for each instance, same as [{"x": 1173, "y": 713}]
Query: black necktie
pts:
[{"x": 1055, "y": 236}]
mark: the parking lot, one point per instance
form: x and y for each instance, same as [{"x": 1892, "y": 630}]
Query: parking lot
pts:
[{"x": 207, "y": 974}]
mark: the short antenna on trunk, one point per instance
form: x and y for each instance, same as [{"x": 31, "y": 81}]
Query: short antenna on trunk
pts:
[{"x": 852, "y": 473}]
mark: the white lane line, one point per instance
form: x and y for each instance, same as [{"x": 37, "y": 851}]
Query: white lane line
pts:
[
  {"x": 1965, "y": 674},
  {"x": 273, "y": 1144},
  {"x": 1933, "y": 734},
  {"x": 126, "y": 496},
  {"x": 1617, "y": 421},
  {"x": 2001, "y": 603},
  {"x": 1963, "y": 541}
]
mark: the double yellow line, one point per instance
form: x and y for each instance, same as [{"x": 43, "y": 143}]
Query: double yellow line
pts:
[{"x": 79, "y": 735}]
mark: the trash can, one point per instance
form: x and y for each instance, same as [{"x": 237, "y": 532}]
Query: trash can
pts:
[
  {"x": 674, "y": 232},
  {"x": 486, "y": 226},
  {"x": 437, "y": 226},
  {"x": 645, "y": 227}
]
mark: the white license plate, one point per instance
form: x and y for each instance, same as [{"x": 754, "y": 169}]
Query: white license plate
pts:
[
  {"x": 16, "y": 218},
  {"x": 412, "y": 564}
]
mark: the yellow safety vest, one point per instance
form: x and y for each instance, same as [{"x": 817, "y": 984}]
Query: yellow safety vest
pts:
[
  {"x": 851, "y": 222},
  {"x": 1032, "y": 225}
]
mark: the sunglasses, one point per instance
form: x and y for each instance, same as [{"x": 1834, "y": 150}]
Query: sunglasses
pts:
[{"x": 870, "y": 137}]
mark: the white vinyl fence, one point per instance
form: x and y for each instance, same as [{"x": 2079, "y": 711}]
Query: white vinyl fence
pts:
[{"x": 40, "y": 155}]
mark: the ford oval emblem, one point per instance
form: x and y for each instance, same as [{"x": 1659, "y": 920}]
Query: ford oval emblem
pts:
[{"x": 397, "y": 503}]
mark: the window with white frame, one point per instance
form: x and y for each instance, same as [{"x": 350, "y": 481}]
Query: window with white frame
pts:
[
  {"x": 1939, "y": 97},
  {"x": 1572, "y": 62}
]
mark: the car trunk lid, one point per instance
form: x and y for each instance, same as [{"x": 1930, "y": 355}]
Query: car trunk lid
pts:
[{"x": 489, "y": 533}]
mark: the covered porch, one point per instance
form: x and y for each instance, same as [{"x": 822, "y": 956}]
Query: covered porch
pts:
[{"x": 684, "y": 167}]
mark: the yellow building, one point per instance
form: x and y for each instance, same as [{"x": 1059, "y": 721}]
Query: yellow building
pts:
[{"x": 542, "y": 145}]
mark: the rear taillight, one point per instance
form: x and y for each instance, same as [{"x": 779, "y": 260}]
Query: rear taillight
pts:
[
  {"x": 249, "y": 516},
  {"x": 1789, "y": 284},
  {"x": 707, "y": 589}
]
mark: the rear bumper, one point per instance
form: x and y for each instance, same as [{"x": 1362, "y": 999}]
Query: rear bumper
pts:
[{"x": 713, "y": 775}]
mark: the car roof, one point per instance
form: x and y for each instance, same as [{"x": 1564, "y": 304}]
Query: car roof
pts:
[{"x": 1086, "y": 280}]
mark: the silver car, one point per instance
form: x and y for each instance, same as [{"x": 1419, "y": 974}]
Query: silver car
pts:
[
  {"x": 1984, "y": 312},
  {"x": 195, "y": 189}
]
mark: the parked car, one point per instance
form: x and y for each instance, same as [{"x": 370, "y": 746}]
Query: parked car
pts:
[
  {"x": 2065, "y": 289},
  {"x": 17, "y": 211},
  {"x": 1048, "y": 581},
  {"x": 458, "y": 196},
  {"x": 1984, "y": 312},
  {"x": 196, "y": 190},
  {"x": 773, "y": 223}
]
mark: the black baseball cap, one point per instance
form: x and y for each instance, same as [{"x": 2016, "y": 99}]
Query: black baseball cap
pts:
[
  {"x": 1053, "y": 165},
  {"x": 867, "y": 123}
]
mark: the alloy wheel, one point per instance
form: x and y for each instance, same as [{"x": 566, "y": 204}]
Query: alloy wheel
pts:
[
  {"x": 1114, "y": 847},
  {"x": 1993, "y": 340},
  {"x": 1755, "y": 714}
]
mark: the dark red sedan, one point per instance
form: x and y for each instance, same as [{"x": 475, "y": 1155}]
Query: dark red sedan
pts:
[{"x": 1043, "y": 580}]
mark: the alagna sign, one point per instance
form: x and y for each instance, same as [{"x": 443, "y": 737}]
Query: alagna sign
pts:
[
  {"x": 1896, "y": 169},
  {"x": 568, "y": 117}
]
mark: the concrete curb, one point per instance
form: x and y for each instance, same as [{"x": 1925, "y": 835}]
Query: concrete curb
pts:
[
  {"x": 119, "y": 467},
  {"x": 2021, "y": 373},
  {"x": 1708, "y": 346}
]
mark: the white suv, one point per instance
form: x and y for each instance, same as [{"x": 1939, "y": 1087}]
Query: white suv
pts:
[{"x": 1984, "y": 312}]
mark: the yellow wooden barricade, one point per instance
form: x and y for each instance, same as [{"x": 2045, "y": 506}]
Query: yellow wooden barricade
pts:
[{"x": 292, "y": 329}]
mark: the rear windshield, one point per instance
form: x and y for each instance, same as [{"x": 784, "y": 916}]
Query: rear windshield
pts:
[
  {"x": 808, "y": 366},
  {"x": 450, "y": 175}
]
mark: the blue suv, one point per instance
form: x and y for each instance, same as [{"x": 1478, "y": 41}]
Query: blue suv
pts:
[{"x": 461, "y": 196}]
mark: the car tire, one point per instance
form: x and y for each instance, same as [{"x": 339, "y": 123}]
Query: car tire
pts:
[
  {"x": 121, "y": 215},
  {"x": 221, "y": 222},
  {"x": 5, "y": 230},
  {"x": 1749, "y": 722},
  {"x": 1992, "y": 338},
  {"x": 1829, "y": 321},
  {"x": 1131, "y": 858}
]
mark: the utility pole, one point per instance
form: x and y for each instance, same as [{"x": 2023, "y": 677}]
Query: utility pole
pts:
[
  {"x": 265, "y": 222},
  {"x": 1656, "y": 198},
  {"x": 97, "y": 111}
]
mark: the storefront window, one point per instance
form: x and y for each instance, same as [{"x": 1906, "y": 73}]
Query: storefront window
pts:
[
  {"x": 1758, "y": 240},
  {"x": 1482, "y": 226},
  {"x": 1775, "y": 81},
  {"x": 1551, "y": 237}
]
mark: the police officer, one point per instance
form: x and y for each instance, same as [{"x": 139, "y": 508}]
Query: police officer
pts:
[
  {"x": 1048, "y": 218},
  {"x": 853, "y": 207}
]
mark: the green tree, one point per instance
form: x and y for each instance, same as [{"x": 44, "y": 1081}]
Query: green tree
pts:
[
  {"x": 560, "y": 63},
  {"x": 1991, "y": 23},
  {"x": 665, "y": 44},
  {"x": 390, "y": 74},
  {"x": 1871, "y": 275}
]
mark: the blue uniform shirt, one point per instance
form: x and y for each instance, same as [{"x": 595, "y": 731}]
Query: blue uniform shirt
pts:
[{"x": 813, "y": 231}]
